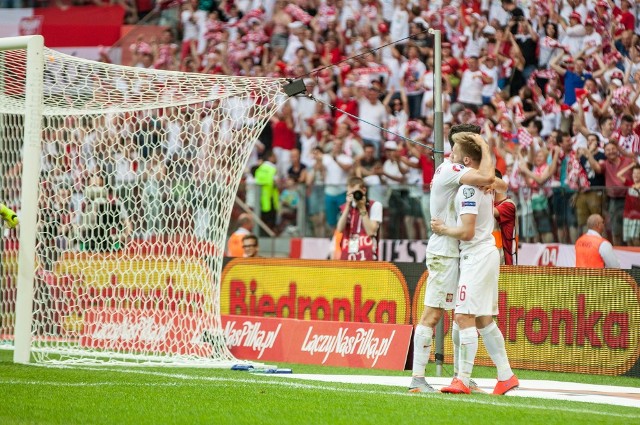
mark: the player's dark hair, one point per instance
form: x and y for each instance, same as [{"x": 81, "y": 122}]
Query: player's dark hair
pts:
[{"x": 463, "y": 128}]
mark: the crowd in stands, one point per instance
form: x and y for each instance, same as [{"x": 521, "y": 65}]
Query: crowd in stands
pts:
[{"x": 555, "y": 85}]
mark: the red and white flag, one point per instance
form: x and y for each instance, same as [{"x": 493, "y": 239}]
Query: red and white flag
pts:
[{"x": 74, "y": 30}]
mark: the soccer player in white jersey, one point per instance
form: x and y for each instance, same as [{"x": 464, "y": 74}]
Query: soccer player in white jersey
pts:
[
  {"x": 477, "y": 298},
  {"x": 443, "y": 252}
]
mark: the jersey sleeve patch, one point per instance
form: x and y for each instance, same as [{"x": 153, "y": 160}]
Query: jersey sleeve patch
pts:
[
  {"x": 468, "y": 203},
  {"x": 468, "y": 192}
]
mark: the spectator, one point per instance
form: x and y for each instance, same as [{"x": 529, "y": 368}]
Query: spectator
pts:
[
  {"x": 337, "y": 167},
  {"x": 369, "y": 169},
  {"x": 234, "y": 245},
  {"x": 359, "y": 223},
  {"x": 572, "y": 79},
  {"x": 538, "y": 180},
  {"x": 571, "y": 33},
  {"x": 471, "y": 85},
  {"x": 250, "y": 246},
  {"x": 631, "y": 216},
  {"x": 395, "y": 175},
  {"x": 569, "y": 178},
  {"x": 266, "y": 178},
  {"x": 594, "y": 251},
  {"x": 411, "y": 73},
  {"x": 289, "y": 200},
  {"x": 284, "y": 138},
  {"x": 315, "y": 193},
  {"x": 590, "y": 200},
  {"x": 373, "y": 114},
  {"x": 616, "y": 192}
]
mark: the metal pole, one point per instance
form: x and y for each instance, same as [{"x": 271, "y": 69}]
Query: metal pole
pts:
[
  {"x": 438, "y": 158},
  {"x": 30, "y": 192}
]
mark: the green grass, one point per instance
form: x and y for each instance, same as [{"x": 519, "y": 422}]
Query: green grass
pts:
[{"x": 94, "y": 395}]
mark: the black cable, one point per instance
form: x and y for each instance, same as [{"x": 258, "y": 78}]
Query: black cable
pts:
[
  {"x": 335, "y": 108},
  {"x": 297, "y": 88}
]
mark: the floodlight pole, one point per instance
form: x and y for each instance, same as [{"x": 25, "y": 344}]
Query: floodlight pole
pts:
[{"x": 438, "y": 157}]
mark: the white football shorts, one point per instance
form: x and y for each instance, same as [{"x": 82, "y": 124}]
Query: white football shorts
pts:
[
  {"x": 478, "y": 286},
  {"x": 442, "y": 281}
]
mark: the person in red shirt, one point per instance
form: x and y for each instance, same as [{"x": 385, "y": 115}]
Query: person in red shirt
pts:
[
  {"x": 631, "y": 216},
  {"x": 505, "y": 233},
  {"x": 615, "y": 189},
  {"x": 284, "y": 138},
  {"x": 347, "y": 102},
  {"x": 623, "y": 15}
]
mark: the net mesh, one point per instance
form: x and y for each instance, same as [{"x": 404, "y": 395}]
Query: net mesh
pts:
[{"x": 140, "y": 170}]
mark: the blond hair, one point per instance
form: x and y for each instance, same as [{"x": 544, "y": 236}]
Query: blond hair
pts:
[{"x": 468, "y": 145}]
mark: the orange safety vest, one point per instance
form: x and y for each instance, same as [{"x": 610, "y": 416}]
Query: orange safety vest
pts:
[
  {"x": 587, "y": 251},
  {"x": 234, "y": 246}
]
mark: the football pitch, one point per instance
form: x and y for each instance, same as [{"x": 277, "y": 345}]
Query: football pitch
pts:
[{"x": 311, "y": 395}]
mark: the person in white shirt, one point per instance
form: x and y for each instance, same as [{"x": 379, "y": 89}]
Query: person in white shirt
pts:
[
  {"x": 572, "y": 34},
  {"x": 443, "y": 253},
  {"x": 471, "y": 85},
  {"x": 489, "y": 67},
  {"x": 399, "y": 27},
  {"x": 373, "y": 115},
  {"x": 337, "y": 167},
  {"x": 592, "y": 41},
  {"x": 477, "y": 299}
]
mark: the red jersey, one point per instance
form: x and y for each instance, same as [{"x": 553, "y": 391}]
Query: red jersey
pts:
[
  {"x": 428, "y": 168},
  {"x": 632, "y": 204},
  {"x": 507, "y": 224},
  {"x": 283, "y": 136}
]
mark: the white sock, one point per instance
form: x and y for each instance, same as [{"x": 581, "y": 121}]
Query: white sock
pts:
[
  {"x": 494, "y": 342},
  {"x": 468, "y": 351},
  {"x": 421, "y": 349},
  {"x": 455, "y": 336}
]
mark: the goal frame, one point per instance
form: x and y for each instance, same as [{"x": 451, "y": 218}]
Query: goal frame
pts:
[{"x": 31, "y": 152}]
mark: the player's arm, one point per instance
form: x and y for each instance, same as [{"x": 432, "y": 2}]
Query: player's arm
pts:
[{"x": 465, "y": 232}]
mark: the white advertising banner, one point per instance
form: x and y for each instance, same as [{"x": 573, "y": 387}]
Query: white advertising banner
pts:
[{"x": 529, "y": 254}]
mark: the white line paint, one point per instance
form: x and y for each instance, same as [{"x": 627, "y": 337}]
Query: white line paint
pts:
[
  {"x": 397, "y": 381},
  {"x": 555, "y": 390}
]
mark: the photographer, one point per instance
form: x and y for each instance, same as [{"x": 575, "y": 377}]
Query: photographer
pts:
[{"x": 359, "y": 223}]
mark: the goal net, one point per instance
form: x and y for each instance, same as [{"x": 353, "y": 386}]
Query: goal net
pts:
[{"x": 138, "y": 174}]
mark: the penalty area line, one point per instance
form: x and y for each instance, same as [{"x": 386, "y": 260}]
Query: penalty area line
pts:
[{"x": 490, "y": 401}]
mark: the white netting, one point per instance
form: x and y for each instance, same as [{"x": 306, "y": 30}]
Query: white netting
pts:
[{"x": 140, "y": 169}]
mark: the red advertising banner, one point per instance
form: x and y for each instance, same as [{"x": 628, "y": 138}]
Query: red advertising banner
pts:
[
  {"x": 144, "y": 330},
  {"x": 364, "y": 345}
]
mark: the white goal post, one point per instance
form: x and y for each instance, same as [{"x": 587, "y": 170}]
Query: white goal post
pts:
[{"x": 124, "y": 181}]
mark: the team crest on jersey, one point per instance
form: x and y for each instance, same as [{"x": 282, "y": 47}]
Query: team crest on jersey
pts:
[
  {"x": 449, "y": 298},
  {"x": 457, "y": 167},
  {"x": 468, "y": 192}
]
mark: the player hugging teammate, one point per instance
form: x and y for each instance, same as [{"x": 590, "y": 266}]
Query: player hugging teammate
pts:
[{"x": 462, "y": 259}]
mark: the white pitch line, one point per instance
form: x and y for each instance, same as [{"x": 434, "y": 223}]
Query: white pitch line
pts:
[
  {"x": 97, "y": 384},
  {"x": 492, "y": 401}
]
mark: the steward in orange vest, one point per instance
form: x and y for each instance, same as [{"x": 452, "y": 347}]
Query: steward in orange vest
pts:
[{"x": 592, "y": 250}]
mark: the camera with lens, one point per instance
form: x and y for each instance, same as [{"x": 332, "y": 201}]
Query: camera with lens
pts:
[{"x": 358, "y": 195}]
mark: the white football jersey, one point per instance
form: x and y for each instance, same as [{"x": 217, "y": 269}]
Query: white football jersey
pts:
[
  {"x": 471, "y": 200},
  {"x": 444, "y": 186}
]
